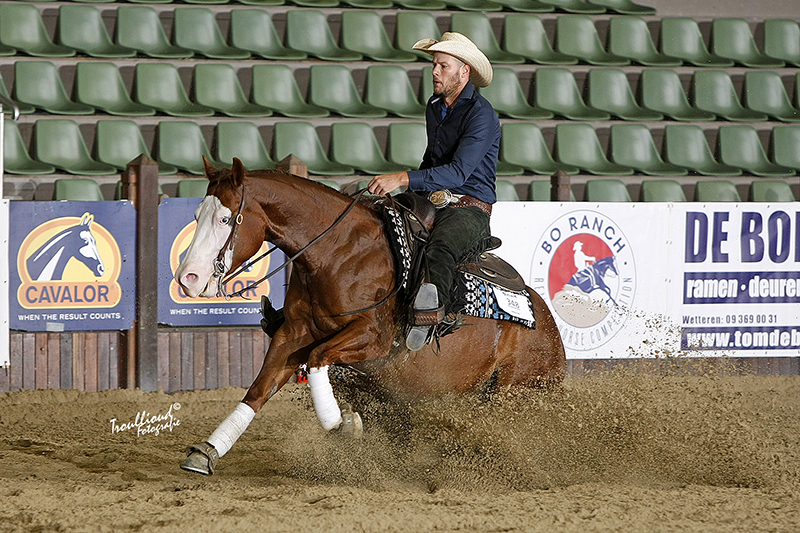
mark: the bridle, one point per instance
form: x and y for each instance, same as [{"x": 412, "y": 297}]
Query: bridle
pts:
[{"x": 220, "y": 268}]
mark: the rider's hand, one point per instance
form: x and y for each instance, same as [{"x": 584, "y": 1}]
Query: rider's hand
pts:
[{"x": 386, "y": 183}]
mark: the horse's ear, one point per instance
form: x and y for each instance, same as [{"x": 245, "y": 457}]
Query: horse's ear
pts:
[
  {"x": 208, "y": 167},
  {"x": 237, "y": 172},
  {"x": 87, "y": 219}
]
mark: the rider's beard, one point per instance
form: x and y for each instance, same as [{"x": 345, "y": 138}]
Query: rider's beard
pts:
[{"x": 449, "y": 87}]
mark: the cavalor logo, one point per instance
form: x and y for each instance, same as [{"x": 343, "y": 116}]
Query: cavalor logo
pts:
[
  {"x": 584, "y": 266},
  {"x": 69, "y": 262},
  {"x": 251, "y": 274}
]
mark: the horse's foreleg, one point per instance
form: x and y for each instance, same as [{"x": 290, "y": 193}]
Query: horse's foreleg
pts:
[{"x": 281, "y": 361}]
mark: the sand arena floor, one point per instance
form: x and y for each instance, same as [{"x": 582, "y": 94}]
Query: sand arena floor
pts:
[{"x": 613, "y": 452}]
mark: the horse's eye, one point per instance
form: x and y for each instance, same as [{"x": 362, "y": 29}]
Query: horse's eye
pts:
[{"x": 226, "y": 220}]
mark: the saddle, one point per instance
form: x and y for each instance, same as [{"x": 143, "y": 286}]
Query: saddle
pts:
[{"x": 486, "y": 286}]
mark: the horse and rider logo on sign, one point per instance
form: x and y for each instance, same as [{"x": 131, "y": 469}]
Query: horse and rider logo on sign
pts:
[
  {"x": 71, "y": 271},
  {"x": 583, "y": 265}
]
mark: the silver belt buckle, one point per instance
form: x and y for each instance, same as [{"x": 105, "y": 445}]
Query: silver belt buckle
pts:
[{"x": 440, "y": 198}]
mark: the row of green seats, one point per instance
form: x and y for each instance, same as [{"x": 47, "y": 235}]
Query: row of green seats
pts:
[
  {"x": 354, "y": 147},
  {"x": 363, "y": 35},
  {"x": 388, "y": 90},
  {"x": 596, "y": 7},
  {"x": 599, "y": 190},
  {"x": 555, "y": 92}
]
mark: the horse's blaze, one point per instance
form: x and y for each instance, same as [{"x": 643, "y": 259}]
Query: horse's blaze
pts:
[{"x": 194, "y": 274}]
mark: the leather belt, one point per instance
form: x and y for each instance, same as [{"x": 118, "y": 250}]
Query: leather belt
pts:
[{"x": 471, "y": 201}]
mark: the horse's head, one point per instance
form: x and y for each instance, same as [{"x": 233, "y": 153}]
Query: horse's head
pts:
[
  {"x": 88, "y": 253},
  {"x": 607, "y": 266},
  {"x": 229, "y": 231}
]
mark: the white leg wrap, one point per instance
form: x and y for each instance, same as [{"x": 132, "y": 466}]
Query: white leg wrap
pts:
[
  {"x": 328, "y": 412},
  {"x": 231, "y": 428}
]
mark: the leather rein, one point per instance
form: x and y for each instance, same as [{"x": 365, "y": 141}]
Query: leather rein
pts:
[{"x": 220, "y": 268}]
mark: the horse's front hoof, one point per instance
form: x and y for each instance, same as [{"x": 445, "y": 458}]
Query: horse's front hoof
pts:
[
  {"x": 351, "y": 425},
  {"x": 202, "y": 458}
]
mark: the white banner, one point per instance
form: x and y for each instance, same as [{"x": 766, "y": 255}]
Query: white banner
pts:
[
  {"x": 4, "y": 336},
  {"x": 656, "y": 280}
]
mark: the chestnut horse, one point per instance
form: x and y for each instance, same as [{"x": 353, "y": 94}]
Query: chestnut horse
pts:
[{"x": 330, "y": 305}]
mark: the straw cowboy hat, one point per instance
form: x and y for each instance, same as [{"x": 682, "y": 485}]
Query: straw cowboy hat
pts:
[{"x": 461, "y": 48}]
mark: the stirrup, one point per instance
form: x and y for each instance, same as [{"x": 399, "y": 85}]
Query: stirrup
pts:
[{"x": 427, "y": 313}]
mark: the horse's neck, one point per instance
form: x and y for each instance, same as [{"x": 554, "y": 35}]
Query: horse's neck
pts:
[{"x": 298, "y": 212}]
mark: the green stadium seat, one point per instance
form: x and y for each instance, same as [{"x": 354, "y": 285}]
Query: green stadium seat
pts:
[
  {"x": 764, "y": 92},
  {"x": 100, "y": 85},
  {"x": 275, "y": 87},
  {"x": 262, "y": 3},
  {"x": 506, "y": 192},
  {"x": 181, "y": 144},
  {"x": 526, "y": 6},
  {"x": 81, "y": 27},
  {"x": 610, "y": 91},
  {"x": 625, "y": 7},
  {"x": 22, "y": 28},
  {"x": 193, "y": 188},
  {"x": 389, "y": 88},
  {"x": 577, "y": 145},
  {"x": 413, "y": 26},
  {"x": 525, "y": 36},
  {"x": 731, "y": 39},
  {"x": 370, "y": 4},
  {"x": 633, "y": 146},
  {"x": 118, "y": 142},
  {"x": 478, "y": 28},
  {"x": 363, "y": 32},
  {"x": 242, "y": 140},
  {"x": 504, "y": 168},
  {"x": 37, "y": 83},
  {"x": 629, "y": 37},
  {"x": 407, "y": 143},
  {"x": 771, "y": 191},
  {"x": 159, "y": 85},
  {"x": 716, "y": 191},
  {"x": 77, "y": 189},
  {"x": 16, "y": 159},
  {"x": 662, "y": 191},
  {"x": 782, "y": 40},
  {"x": 786, "y": 146},
  {"x": 253, "y": 30},
  {"x": 606, "y": 190},
  {"x": 662, "y": 92},
  {"x": 681, "y": 38},
  {"x": 318, "y": 4},
  {"x": 333, "y": 88},
  {"x": 196, "y": 28},
  {"x": 354, "y": 144},
  {"x": 576, "y": 6},
  {"x": 308, "y": 31},
  {"x": 216, "y": 86},
  {"x": 8, "y": 50},
  {"x": 301, "y": 140},
  {"x": 424, "y": 5},
  {"x": 714, "y": 92},
  {"x": 426, "y": 85},
  {"x": 474, "y": 5},
  {"x": 541, "y": 191},
  {"x": 686, "y": 145},
  {"x": 506, "y": 96},
  {"x": 139, "y": 28},
  {"x": 330, "y": 183},
  {"x": 577, "y": 36},
  {"x": 739, "y": 146},
  {"x": 557, "y": 91},
  {"x": 24, "y": 109},
  {"x": 523, "y": 144},
  {"x": 60, "y": 143}
]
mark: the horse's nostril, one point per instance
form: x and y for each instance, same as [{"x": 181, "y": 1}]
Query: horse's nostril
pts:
[
  {"x": 100, "y": 270},
  {"x": 190, "y": 278}
]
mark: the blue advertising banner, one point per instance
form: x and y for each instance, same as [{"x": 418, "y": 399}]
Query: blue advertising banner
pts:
[
  {"x": 71, "y": 266},
  {"x": 176, "y": 226}
]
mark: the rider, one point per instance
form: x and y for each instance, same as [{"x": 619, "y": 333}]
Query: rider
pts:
[{"x": 457, "y": 171}]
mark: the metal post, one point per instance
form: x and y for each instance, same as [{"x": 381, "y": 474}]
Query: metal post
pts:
[{"x": 560, "y": 187}]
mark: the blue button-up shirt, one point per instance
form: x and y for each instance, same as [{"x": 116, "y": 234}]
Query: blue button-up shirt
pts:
[{"x": 463, "y": 143}]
